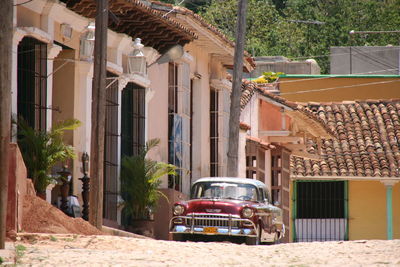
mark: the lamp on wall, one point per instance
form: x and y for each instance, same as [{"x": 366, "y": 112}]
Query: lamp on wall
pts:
[
  {"x": 137, "y": 59},
  {"x": 87, "y": 42}
]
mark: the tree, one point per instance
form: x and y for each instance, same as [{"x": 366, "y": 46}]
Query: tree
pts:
[
  {"x": 6, "y": 21},
  {"x": 272, "y": 29}
]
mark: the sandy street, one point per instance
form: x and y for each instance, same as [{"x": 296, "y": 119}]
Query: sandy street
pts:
[{"x": 74, "y": 250}]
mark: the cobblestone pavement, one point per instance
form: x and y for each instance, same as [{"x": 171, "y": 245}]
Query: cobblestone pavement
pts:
[{"x": 73, "y": 250}]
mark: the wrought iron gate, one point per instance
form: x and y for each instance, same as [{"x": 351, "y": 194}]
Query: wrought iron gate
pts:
[{"x": 320, "y": 211}]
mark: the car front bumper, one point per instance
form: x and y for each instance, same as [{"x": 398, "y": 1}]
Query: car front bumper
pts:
[{"x": 212, "y": 224}]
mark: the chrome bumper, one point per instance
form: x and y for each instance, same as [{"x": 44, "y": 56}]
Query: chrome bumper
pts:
[{"x": 223, "y": 224}]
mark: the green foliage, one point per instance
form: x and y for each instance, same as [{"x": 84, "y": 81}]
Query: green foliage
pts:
[
  {"x": 1, "y": 260},
  {"x": 19, "y": 251},
  {"x": 277, "y": 27},
  {"x": 41, "y": 150},
  {"x": 194, "y": 5},
  {"x": 140, "y": 179}
]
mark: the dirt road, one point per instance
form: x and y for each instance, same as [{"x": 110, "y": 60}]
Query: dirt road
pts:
[{"x": 73, "y": 250}]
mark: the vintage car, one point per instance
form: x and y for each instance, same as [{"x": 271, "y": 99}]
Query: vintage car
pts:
[{"x": 228, "y": 207}]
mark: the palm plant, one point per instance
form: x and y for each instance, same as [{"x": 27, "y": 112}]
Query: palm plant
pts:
[
  {"x": 140, "y": 179},
  {"x": 41, "y": 150}
]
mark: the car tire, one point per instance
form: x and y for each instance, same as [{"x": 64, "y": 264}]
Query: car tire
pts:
[{"x": 253, "y": 241}]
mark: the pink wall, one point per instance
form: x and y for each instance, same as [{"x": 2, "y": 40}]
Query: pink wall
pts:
[
  {"x": 270, "y": 118},
  {"x": 18, "y": 187}
]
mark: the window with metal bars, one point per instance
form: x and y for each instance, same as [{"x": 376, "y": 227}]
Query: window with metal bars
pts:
[
  {"x": 214, "y": 133},
  {"x": 32, "y": 82},
  {"x": 133, "y": 119},
  {"x": 111, "y": 149},
  {"x": 179, "y": 125},
  {"x": 320, "y": 211},
  {"x": 320, "y": 199}
]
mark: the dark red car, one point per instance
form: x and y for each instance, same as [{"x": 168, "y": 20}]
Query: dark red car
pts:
[{"x": 228, "y": 207}]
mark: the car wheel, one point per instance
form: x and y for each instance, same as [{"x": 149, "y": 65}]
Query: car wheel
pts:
[
  {"x": 275, "y": 240},
  {"x": 253, "y": 241}
]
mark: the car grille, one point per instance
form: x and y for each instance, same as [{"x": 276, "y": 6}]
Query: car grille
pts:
[{"x": 212, "y": 220}]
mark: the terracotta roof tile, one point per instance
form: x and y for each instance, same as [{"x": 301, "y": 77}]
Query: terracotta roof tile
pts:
[
  {"x": 368, "y": 140},
  {"x": 136, "y": 19}
]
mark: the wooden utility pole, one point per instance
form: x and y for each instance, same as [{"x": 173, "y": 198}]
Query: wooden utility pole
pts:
[
  {"x": 6, "y": 29},
  {"x": 234, "y": 114},
  {"x": 98, "y": 115}
]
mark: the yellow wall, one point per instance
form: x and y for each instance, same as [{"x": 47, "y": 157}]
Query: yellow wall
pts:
[
  {"x": 367, "y": 210},
  {"x": 63, "y": 90},
  {"x": 386, "y": 90}
]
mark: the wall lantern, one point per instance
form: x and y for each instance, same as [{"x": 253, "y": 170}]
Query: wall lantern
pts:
[
  {"x": 87, "y": 42},
  {"x": 136, "y": 59}
]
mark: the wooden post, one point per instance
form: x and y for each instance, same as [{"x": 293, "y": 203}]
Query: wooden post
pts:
[
  {"x": 6, "y": 22},
  {"x": 98, "y": 115},
  {"x": 234, "y": 114}
]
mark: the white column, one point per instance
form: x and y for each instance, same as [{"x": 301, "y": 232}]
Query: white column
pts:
[
  {"x": 82, "y": 112},
  {"x": 121, "y": 85},
  {"x": 242, "y": 153},
  {"x": 389, "y": 207},
  {"x": 52, "y": 52}
]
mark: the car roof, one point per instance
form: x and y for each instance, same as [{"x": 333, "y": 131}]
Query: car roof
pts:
[{"x": 232, "y": 180}]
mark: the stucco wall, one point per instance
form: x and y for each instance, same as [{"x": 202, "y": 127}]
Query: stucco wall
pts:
[
  {"x": 63, "y": 89},
  {"x": 271, "y": 118},
  {"x": 367, "y": 210},
  {"x": 201, "y": 111},
  {"x": 384, "y": 90},
  {"x": 157, "y": 119}
]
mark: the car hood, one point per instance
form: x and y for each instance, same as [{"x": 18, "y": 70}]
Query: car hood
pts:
[{"x": 215, "y": 206}]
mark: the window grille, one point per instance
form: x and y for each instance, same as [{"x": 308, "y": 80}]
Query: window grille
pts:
[
  {"x": 133, "y": 119},
  {"x": 179, "y": 125},
  {"x": 32, "y": 82},
  {"x": 214, "y": 133},
  {"x": 111, "y": 150},
  {"x": 321, "y": 211}
]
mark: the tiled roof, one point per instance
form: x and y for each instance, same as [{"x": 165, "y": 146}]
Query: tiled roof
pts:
[
  {"x": 368, "y": 140},
  {"x": 249, "y": 88},
  {"x": 136, "y": 19}
]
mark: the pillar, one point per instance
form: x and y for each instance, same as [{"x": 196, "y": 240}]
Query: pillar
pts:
[{"x": 389, "y": 207}]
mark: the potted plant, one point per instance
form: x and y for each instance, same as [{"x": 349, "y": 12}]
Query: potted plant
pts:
[
  {"x": 140, "y": 179},
  {"x": 268, "y": 79},
  {"x": 41, "y": 150}
]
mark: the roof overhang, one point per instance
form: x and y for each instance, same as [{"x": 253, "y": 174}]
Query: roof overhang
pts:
[
  {"x": 305, "y": 124},
  {"x": 137, "y": 20},
  {"x": 209, "y": 37}
]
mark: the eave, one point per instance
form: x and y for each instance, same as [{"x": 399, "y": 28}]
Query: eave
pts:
[{"x": 135, "y": 19}]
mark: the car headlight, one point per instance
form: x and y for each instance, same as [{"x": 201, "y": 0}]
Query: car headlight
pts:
[
  {"x": 247, "y": 212},
  {"x": 178, "y": 210}
]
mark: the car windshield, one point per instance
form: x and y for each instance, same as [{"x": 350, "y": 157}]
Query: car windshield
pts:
[{"x": 224, "y": 190}]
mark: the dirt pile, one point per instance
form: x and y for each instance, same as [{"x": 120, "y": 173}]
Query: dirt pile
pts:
[{"x": 40, "y": 216}]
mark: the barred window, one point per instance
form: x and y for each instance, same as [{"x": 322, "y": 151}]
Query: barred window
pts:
[
  {"x": 133, "y": 119},
  {"x": 179, "y": 125},
  {"x": 32, "y": 82}
]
